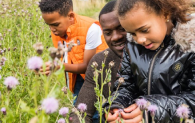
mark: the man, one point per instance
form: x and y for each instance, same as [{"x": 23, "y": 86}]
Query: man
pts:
[{"x": 115, "y": 37}]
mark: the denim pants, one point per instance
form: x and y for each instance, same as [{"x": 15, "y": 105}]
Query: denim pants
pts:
[{"x": 77, "y": 88}]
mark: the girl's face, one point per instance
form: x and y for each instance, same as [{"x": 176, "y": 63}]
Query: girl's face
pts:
[{"x": 147, "y": 28}]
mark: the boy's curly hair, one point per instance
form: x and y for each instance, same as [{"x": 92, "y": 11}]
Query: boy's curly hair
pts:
[
  {"x": 177, "y": 9},
  {"x": 61, "y": 6}
]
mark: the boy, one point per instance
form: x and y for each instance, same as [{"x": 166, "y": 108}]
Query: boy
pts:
[{"x": 68, "y": 27}]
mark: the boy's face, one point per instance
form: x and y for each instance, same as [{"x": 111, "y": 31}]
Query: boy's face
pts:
[
  {"x": 58, "y": 24},
  {"x": 147, "y": 28},
  {"x": 114, "y": 33}
]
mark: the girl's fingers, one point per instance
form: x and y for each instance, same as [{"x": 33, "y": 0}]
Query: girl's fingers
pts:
[
  {"x": 137, "y": 119},
  {"x": 130, "y": 108},
  {"x": 132, "y": 114},
  {"x": 112, "y": 116}
]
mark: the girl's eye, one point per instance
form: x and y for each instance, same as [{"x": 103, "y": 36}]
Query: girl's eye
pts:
[
  {"x": 133, "y": 34},
  {"x": 145, "y": 30}
]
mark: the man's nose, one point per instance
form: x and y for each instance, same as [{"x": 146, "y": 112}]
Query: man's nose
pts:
[{"x": 116, "y": 36}]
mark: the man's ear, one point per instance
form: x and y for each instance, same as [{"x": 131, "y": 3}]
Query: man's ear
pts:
[{"x": 71, "y": 16}]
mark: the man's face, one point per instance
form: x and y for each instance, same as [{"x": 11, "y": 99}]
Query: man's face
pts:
[
  {"x": 114, "y": 33},
  {"x": 58, "y": 24}
]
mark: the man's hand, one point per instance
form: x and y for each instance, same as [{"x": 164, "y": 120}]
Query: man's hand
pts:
[{"x": 132, "y": 114}]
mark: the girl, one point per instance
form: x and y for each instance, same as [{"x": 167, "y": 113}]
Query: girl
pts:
[{"x": 159, "y": 63}]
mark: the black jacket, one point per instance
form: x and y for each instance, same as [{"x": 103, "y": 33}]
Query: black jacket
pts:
[{"x": 165, "y": 77}]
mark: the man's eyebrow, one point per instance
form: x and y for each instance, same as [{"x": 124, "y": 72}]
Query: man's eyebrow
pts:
[
  {"x": 140, "y": 28},
  {"x": 112, "y": 29}
]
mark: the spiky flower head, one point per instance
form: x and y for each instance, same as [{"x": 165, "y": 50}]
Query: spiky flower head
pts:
[
  {"x": 94, "y": 64},
  {"x": 64, "y": 89},
  {"x": 35, "y": 63},
  {"x": 52, "y": 51},
  {"x": 142, "y": 104},
  {"x": 63, "y": 111},
  {"x": 61, "y": 120},
  {"x": 111, "y": 64},
  {"x": 38, "y": 47},
  {"x": 106, "y": 53},
  {"x": 3, "y": 110},
  {"x": 183, "y": 111},
  {"x": 50, "y": 105},
  {"x": 82, "y": 107},
  {"x": 152, "y": 109},
  {"x": 11, "y": 82},
  {"x": 121, "y": 80}
]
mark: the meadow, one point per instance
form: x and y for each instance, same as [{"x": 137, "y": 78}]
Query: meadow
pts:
[{"x": 21, "y": 26}]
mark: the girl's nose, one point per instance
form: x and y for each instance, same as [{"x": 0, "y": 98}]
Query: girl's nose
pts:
[{"x": 141, "y": 40}]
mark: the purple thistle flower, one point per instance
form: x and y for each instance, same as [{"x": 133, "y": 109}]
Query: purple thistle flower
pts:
[
  {"x": 35, "y": 63},
  {"x": 61, "y": 120},
  {"x": 142, "y": 104},
  {"x": 63, "y": 111},
  {"x": 11, "y": 82},
  {"x": 183, "y": 111},
  {"x": 152, "y": 109},
  {"x": 3, "y": 110},
  {"x": 82, "y": 107},
  {"x": 50, "y": 105}
]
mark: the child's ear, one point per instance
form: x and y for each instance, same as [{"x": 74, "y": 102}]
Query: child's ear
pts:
[
  {"x": 167, "y": 17},
  {"x": 71, "y": 16}
]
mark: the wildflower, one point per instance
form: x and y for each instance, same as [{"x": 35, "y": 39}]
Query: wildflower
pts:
[
  {"x": 3, "y": 59},
  {"x": 38, "y": 47},
  {"x": 106, "y": 53},
  {"x": 35, "y": 63},
  {"x": 121, "y": 80},
  {"x": 142, "y": 104},
  {"x": 109, "y": 84},
  {"x": 14, "y": 48},
  {"x": 183, "y": 111},
  {"x": 63, "y": 111},
  {"x": 64, "y": 89},
  {"x": 11, "y": 82},
  {"x": 3, "y": 110},
  {"x": 111, "y": 64},
  {"x": 71, "y": 44},
  {"x": 61, "y": 120},
  {"x": 70, "y": 118},
  {"x": 152, "y": 109},
  {"x": 94, "y": 64},
  {"x": 82, "y": 107},
  {"x": 52, "y": 51},
  {"x": 50, "y": 105}
]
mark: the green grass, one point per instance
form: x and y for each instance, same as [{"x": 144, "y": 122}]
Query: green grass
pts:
[{"x": 21, "y": 27}]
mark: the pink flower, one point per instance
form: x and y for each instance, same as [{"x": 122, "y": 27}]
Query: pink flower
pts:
[
  {"x": 63, "y": 111},
  {"x": 82, "y": 107},
  {"x": 152, "y": 109},
  {"x": 11, "y": 82},
  {"x": 183, "y": 111},
  {"x": 50, "y": 105},
  {"x": 3, "y": 110},
  {"x": 142, "y": 104},
  {"x": 35, "y": 63},
  {"x": 61, "y": 120}
]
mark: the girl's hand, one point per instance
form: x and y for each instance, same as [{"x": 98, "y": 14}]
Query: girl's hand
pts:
[
  {"x": 112, "y": 116},
  {"x": 47, "y": 70},
  {"x": 132, "y": 114}
]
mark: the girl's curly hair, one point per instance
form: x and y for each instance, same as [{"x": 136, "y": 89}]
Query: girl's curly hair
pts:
[{"x": 176, "y": 9}]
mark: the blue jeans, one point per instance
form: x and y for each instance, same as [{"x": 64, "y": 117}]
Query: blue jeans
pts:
[{"x": 77, "y": 88}]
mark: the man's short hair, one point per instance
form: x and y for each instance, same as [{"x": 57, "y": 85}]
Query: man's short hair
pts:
[
  {"x": 60, "y": 6},
  {"x": 109, "y": 7}
]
